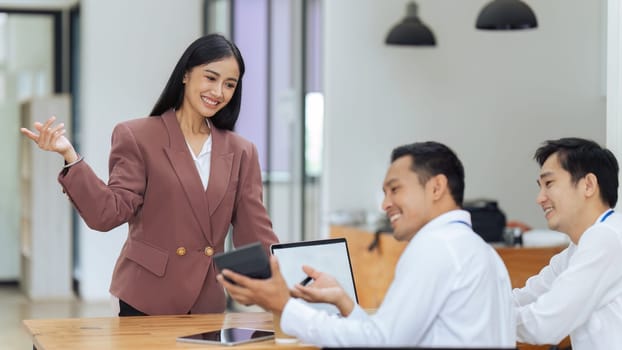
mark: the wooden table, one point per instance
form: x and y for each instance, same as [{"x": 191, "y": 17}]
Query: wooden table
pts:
[{"x": 145, "y": 332}]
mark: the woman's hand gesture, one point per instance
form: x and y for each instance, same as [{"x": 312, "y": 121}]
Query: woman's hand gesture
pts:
[{"x": 50, "y": 137}]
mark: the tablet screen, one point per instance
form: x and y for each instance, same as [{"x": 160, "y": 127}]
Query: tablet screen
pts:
[
  {"x": 228, "y": 336},
  {"x": 326, "y": 255}
]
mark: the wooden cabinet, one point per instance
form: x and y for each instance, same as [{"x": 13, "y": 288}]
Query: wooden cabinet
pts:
[
  {"x": 373, "y": 269},
  {"x": 523, "y": 263}
]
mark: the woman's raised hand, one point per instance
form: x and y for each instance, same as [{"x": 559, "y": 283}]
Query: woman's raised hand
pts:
[{"x": 50, "y": 137}]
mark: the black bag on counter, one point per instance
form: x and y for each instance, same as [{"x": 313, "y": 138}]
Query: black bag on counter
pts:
[{"x": 487, "y": 219}]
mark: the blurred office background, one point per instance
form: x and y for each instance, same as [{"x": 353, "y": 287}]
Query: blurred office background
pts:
[{"x": 325, "y": 101}]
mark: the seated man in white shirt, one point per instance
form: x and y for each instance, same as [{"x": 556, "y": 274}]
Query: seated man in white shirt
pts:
[
  {"x": 580, "y": 291},
  {"x": 450, "y": 287}
]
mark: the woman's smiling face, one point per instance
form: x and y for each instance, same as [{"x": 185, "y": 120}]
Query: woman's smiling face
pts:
[{"x": 209, "y": 87}]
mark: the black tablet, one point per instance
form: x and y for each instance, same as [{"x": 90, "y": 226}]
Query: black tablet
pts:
[
  {"x": 250, "y": 260},
  {"x": 228, "y": 336}
]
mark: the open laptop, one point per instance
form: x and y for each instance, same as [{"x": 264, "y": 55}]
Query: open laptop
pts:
[{"x": 326, "y": 255}]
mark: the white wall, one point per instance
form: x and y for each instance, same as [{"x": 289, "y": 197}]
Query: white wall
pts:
[
  {"x": 38, "y": 4},
  {"x": 614, "y": 81},
  {"x": 128, "y": 50},
  {"x": 491, "y": 96},
  {"x": 26, "y": 71}
]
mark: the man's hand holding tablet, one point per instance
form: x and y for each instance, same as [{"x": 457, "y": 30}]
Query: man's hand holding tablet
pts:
[{"x": 250, "y": 260}]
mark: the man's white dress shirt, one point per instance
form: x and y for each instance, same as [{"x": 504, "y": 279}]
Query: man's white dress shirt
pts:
[
  {"x": 578, "y": 293},
  {"x": 450, "y": 289}
]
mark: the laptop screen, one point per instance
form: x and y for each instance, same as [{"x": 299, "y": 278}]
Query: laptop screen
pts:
[{"x": 326, "y": 255}]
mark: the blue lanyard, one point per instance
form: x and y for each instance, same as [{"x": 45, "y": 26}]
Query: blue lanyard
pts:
[
  {"x": 606, "y": 215},
  {"x": 460, "y": 222}
]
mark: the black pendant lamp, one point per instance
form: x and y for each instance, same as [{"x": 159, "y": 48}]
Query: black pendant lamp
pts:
[
  {"x": 506, "y": 15},
  {"x": 411, "y": 31}
]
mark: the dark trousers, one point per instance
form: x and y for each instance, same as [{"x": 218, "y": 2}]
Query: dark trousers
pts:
[{"x": 126, "y": 309}]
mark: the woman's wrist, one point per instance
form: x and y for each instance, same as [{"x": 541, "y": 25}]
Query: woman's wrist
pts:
[
  {"x": 69, "y": 165},
  {"x": 70, "y": 156}
]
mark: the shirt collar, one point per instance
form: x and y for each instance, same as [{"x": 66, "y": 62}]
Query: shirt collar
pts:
[
  {"x": 206, "y": 149},
  {"x": 602, "y": 216},
  {"x": 446, "y": 218}
]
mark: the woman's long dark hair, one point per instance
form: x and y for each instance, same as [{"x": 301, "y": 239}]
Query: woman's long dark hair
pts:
[{"x": 209, "y": 48}]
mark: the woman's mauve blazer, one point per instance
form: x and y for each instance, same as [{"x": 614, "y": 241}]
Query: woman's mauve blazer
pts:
[{"x": 175, "y": 225}]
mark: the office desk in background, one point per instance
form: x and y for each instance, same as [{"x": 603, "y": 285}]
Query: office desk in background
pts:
[{"x": 146, "y": 332}]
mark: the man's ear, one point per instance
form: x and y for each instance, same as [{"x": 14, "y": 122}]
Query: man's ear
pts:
[
  {"x": 591, "y": 186},
  {"x": 439, "y": 186}
]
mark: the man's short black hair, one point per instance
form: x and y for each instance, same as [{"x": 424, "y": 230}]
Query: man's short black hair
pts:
[
  {"x": 432, "y": 158},
  {"x": 580, "y": 157}
]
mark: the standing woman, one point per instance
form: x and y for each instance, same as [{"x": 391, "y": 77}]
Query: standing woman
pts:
[{"x": 179, "y": 178}]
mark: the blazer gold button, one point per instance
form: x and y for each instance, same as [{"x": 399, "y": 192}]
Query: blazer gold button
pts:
[
  {"x": 181, "y": 251},
  {"x": 209, "y": 251}
]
